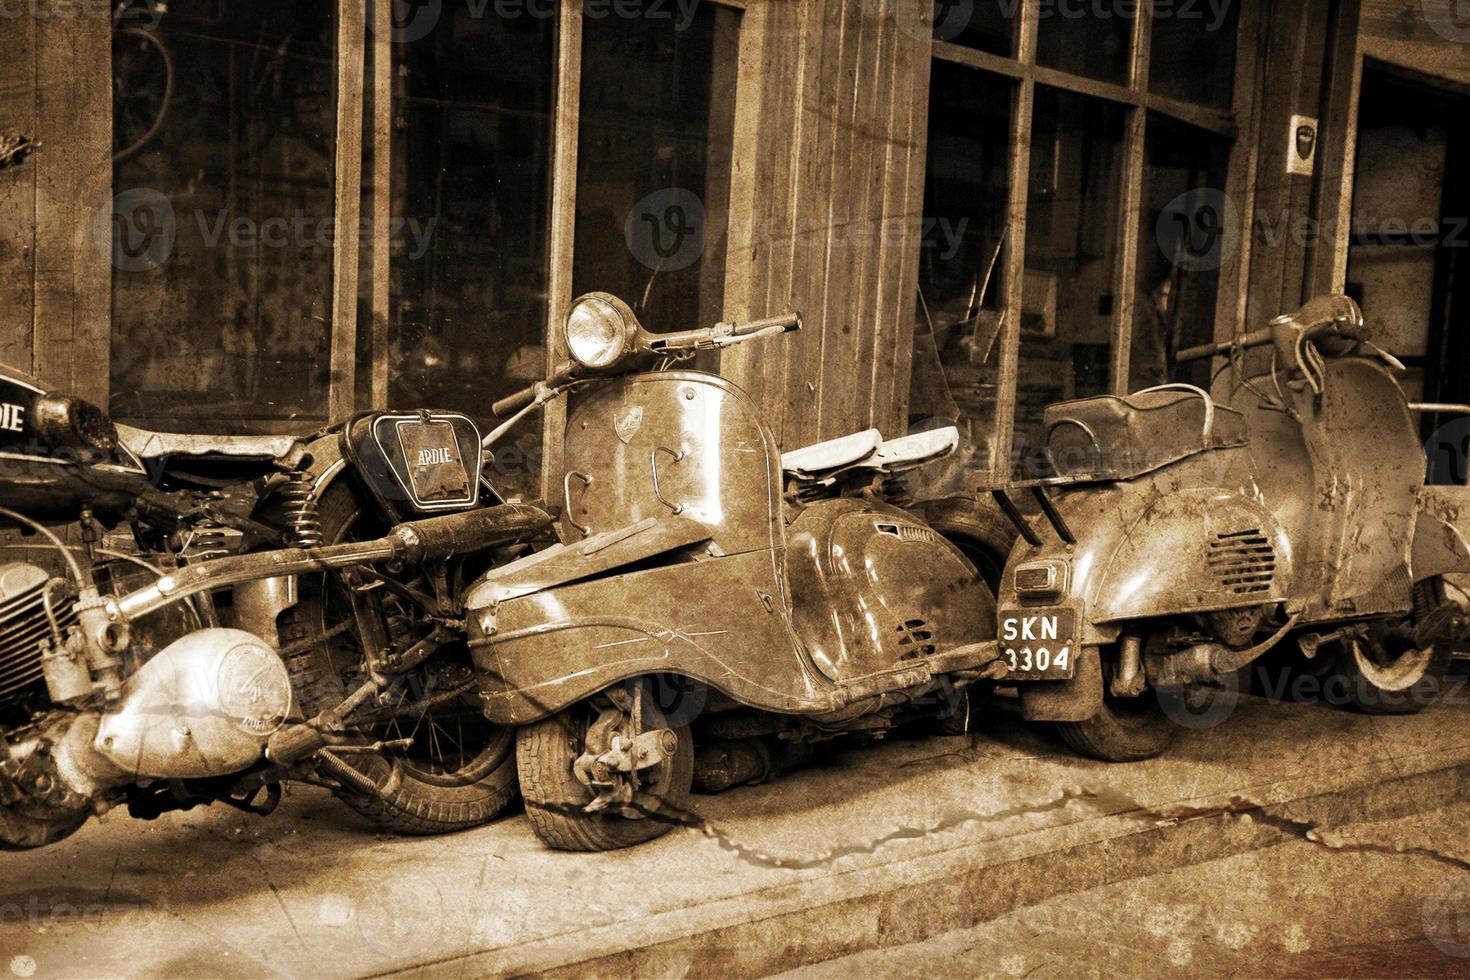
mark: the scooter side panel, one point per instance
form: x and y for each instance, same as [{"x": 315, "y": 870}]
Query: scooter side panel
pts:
[
  {"x": 874, "y": 586},
  {"x": 718, "y": 620},
  {"x": 674, "y": 442}
]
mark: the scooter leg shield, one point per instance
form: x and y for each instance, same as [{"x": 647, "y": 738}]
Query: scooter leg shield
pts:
[{"x": 1077, "y": 699}]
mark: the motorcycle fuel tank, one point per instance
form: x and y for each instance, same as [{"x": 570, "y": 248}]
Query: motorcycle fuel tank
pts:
[{"x": 874, "y": 586}]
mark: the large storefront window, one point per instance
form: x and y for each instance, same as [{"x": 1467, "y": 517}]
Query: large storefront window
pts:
[
  {"x": 224, "y": 130},
  {"x": 468, "y": 245},
  {"x": 1111, "y": 150},
  {"x": 653, "y": 162},
  {"x": 1071, "y": 259},
  {"x": 961, "y": 280}
]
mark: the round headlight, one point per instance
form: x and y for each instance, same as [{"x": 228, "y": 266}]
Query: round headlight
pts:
[{"x": 598, "y": 331}]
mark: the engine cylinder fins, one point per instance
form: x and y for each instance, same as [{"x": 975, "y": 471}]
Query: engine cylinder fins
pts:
[
  {"x": 24, "y": 626},
  {"x": 303, "y": 522}
]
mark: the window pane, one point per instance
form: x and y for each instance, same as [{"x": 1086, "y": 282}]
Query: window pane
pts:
[
  {"x": 1085, "y": 39},
  {"x": 653, "y": 161},
  {"x": 222, "y": 230},
  {"x": 1071, "y": 252},
  {"x": 987, "y": 25},
  {"x": 1187, "y": 227},
  {"x": 1192, "y": 53},
  {"x": 961, "y": 289},
  {"x": 471, "y": 197}
]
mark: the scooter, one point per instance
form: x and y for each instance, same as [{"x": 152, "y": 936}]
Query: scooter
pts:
[
  {"x": 713, "y": 606},
  {"x": 1183, "y": 538}
]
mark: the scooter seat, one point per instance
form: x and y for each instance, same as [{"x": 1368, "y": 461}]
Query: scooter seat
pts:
[
  {"x": 907, "y": 452},
  {"x": 823, "y": 458}
]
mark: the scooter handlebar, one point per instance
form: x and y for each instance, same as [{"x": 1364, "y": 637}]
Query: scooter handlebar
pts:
[{"x": 1256, "y": 338}]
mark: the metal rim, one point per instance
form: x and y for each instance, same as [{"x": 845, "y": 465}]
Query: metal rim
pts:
[{"x": 1401, "y": 673}]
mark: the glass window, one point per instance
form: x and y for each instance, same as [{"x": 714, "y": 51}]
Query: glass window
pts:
[
  {"x": 961, "y": 289},
  {"x": 1072, "y": 216},
  {"x": 224, "y": 122},
  {"x": 1192, "y": 53},
  {"x": 1085, "y": 39},
  {"x": 653, "y": 161},
  {"x": 1187, "y": 228},
  {"x": 986, "y": 25},
  {"x": 471, "y": 174}
]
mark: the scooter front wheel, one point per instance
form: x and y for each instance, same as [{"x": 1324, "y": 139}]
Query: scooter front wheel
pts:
[
  {"x": 1384, "y": 672},
  {"x": 556, "y": 800}
]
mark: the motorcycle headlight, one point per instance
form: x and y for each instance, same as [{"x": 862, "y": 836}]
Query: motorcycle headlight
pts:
[{"x": 599, "y": 330}]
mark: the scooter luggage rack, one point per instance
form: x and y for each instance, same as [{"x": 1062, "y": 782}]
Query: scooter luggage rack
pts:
[{"x": 1038, "y": 490}]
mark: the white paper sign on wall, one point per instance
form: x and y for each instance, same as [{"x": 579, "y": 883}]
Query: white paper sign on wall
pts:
[{"x": 1301, "y": 146}]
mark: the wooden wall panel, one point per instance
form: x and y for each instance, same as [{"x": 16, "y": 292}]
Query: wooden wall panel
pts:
[
  {"x": 73, "y": 174},
  {"x": 18, "y": 194},
  {"x": 835, "y": 211}
]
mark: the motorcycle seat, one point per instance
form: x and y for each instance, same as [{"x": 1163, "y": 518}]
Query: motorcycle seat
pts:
[
  {"x": 907, "y": 452},
  {"x": 821, "y": 459},
  {"x": 147, "y": 444}
]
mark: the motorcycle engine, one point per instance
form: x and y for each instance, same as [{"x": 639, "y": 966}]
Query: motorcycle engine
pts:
[{"x": 23, "y": 626}]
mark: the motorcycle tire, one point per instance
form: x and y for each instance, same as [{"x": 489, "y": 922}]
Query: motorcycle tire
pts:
[
  {"x": 1384, "y": 675},
  {"x": 412, "y": 799},
  {"x": 545, "y": 751}
]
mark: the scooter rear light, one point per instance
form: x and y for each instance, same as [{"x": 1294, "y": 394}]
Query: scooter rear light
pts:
[{"x": 1040, "y": 578}]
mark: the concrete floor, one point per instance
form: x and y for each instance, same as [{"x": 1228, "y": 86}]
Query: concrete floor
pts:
[
  {"x": 1294, "y": 910},
  {"x": 1001, "y": 835}
]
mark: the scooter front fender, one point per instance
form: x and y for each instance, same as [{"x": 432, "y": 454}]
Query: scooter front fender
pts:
[{"x": 720, "y": 621}]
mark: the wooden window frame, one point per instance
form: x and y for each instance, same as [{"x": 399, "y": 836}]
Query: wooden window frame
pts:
[{"x": 1237, "y": 124}]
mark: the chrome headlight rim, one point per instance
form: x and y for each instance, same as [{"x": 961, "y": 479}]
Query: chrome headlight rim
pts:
[{"x": 598, "y": 330}]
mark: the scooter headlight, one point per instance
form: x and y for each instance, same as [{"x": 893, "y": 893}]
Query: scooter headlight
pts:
[{"x": 599, "y": 330}]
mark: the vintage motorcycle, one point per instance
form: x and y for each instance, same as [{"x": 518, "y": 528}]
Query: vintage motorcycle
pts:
[
  {"x": 313, "y": 631},
  {"x": 714, "y": 606},
  {"x": 1187, "y": 537}
]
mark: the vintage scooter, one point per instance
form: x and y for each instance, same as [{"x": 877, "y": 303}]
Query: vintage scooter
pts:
[
  {"x": 1187, "y": 537},
  {"x": 708, "y": 592}
]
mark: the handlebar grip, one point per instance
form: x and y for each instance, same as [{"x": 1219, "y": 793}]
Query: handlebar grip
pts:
[
  {"x": 1255, "y": 338},
  {"x": 511, "y": 404},
  {"x": 787, "y": 322}
]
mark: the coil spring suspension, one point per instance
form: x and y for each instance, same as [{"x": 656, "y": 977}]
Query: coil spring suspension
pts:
[
  {"x": 303, "y": 523},
  {"x": 208, "y": 542}
]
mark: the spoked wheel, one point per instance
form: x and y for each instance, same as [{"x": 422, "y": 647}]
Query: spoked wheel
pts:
[
  {"x": 547, "y": 754},
  {"x": 451, "y": 768},
  {"x": 1386, "y": 672}
]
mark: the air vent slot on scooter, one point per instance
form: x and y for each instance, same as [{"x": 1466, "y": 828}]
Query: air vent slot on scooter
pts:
[
  {"x": 915, "y": 639},
  {"x": 1243, "y": 562},
  {"x": 908, "y": 532}
]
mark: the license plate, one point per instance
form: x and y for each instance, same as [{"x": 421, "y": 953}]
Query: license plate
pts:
[{"x": 1038, "y": 644}]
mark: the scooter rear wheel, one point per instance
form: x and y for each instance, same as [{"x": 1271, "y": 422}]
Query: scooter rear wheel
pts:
[
  {"x": 545, "y": 752},
  {"x": 1123, "y": 730}
]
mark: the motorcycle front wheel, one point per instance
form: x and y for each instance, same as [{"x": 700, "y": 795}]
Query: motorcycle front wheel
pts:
[{"x": 459, "y": 770}]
